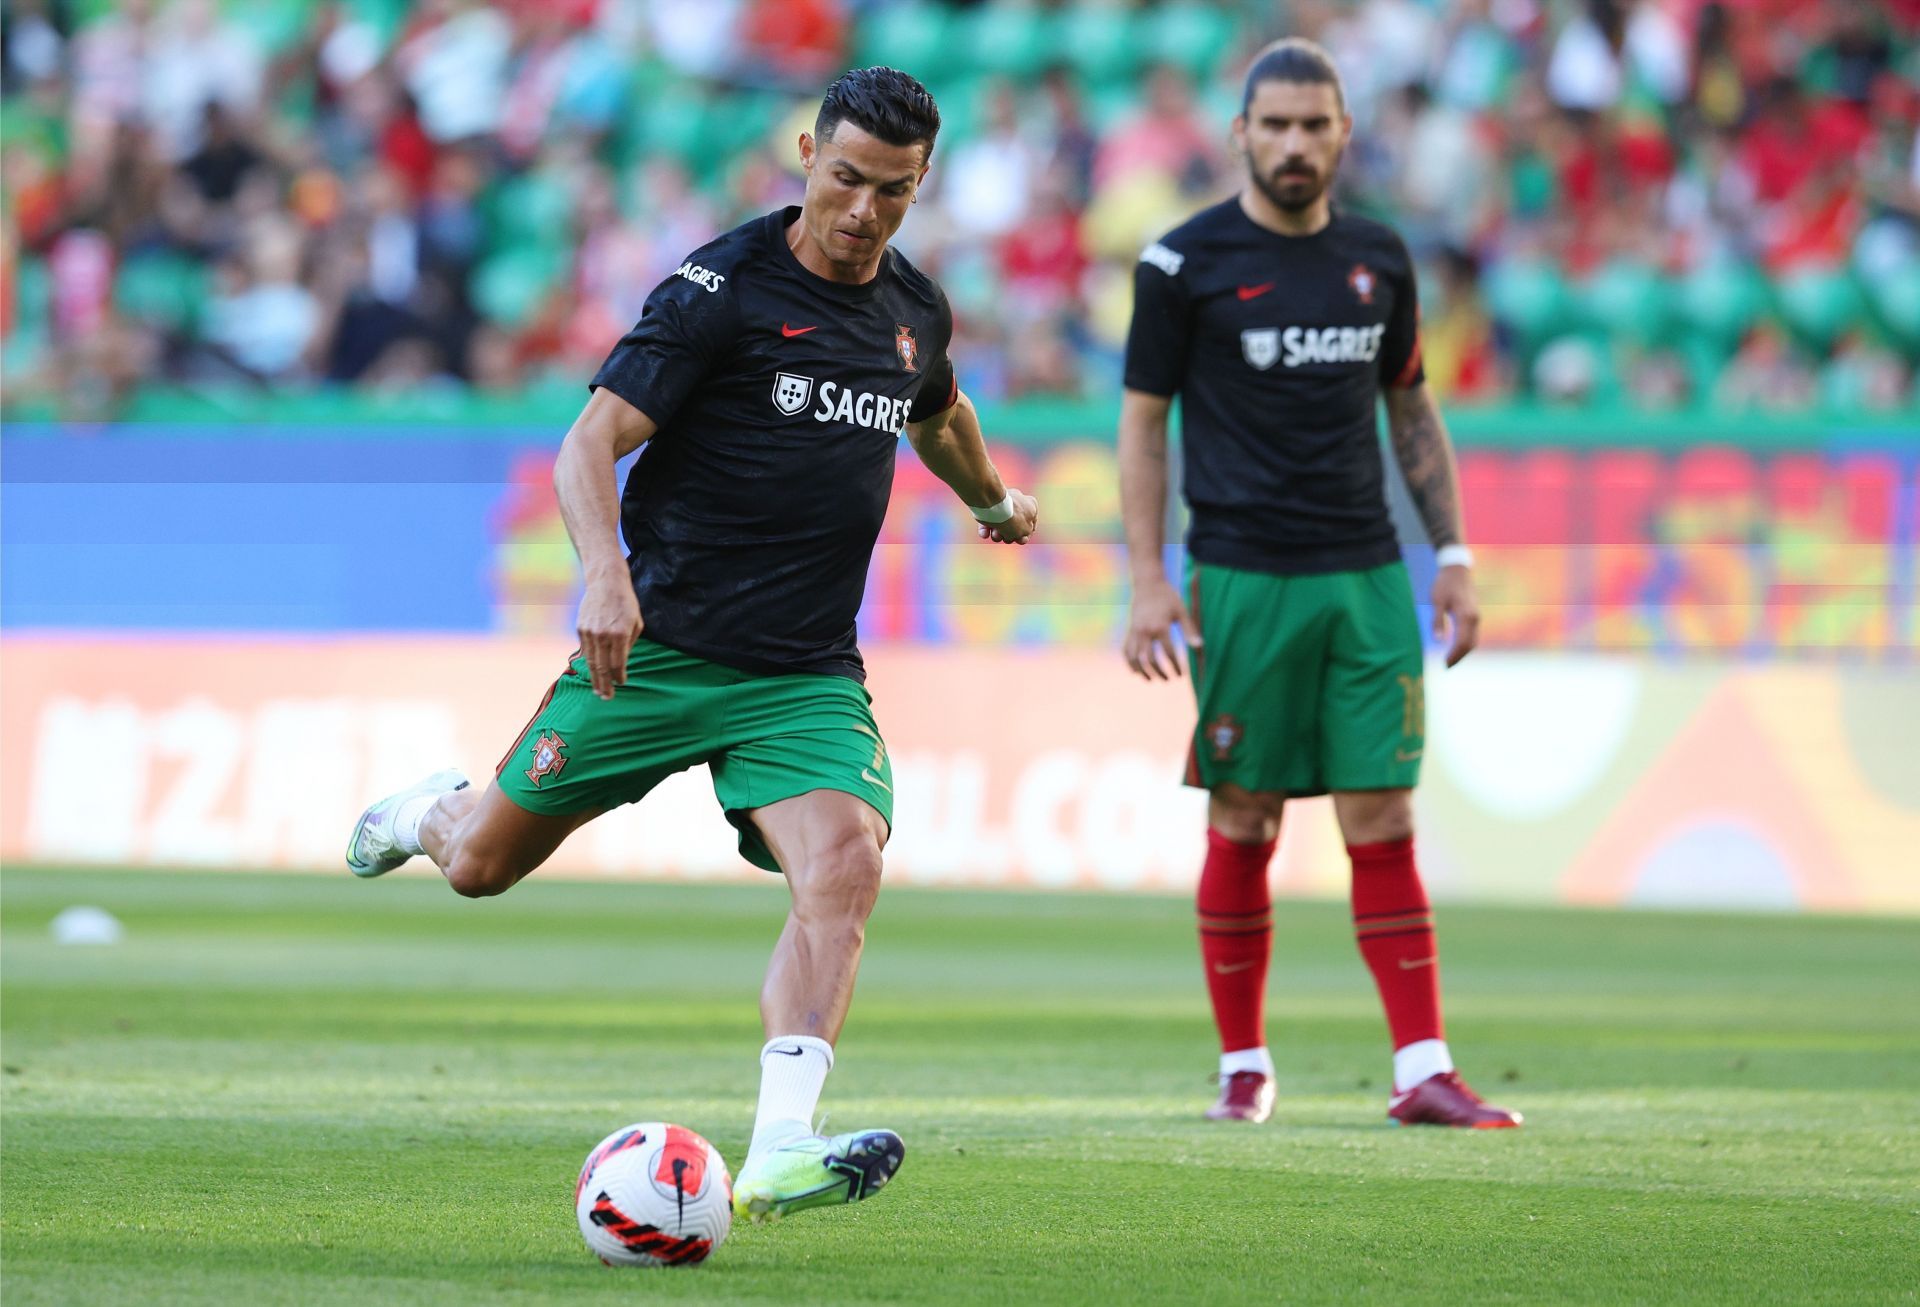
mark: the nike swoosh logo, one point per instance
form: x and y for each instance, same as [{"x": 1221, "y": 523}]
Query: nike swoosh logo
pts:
[
  {"x": 791, "y": 332},
  {"x": 1417, "y": 963},
  {"x": 1401, "y": 755},
  {"x": 789, "y": 1052},
  {"x": 1255, "y": 292},
  {"x": 1222, "y": 969},
  {"x": 871, "y": 779}
]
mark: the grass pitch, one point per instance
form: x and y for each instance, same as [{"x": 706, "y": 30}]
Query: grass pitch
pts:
[{"x": 305, "y": 1090}]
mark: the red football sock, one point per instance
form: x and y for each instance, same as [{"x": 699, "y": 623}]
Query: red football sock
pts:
[
  {"x": 1236, "y": 937},
  {"x": 1394, "y": 924}
]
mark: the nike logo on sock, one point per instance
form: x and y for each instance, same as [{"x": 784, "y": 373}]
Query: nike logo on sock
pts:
[
  {"x": 1224, "y": 969},
  {"x": 1416, "y": 963},
  {"x": 791, "y": 332},
  {"x": 788, "y": 1052},
  {"x": 1255, "y": 292}
]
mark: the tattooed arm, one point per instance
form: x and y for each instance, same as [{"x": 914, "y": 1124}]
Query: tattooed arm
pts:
[{"x": 1425, "y": 455}]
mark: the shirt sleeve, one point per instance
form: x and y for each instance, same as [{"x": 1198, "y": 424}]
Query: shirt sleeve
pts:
[
  {"x": 1157, "y": 339},
  {"x": 1400, "y": 364},
  {"x": 684, "y": 330},
  {"x": 939, "y": 388}
]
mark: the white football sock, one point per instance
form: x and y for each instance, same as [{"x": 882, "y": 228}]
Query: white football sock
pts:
[
  {"x": 1421, "y": 1060},
  {"x": 793, "y": 1070},
  {"x": 406, "y": 822},
  {"x": 1246, "y": 1059}
]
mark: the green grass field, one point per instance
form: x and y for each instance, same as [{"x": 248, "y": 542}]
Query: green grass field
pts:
[{"x": 307, "y": 1090}]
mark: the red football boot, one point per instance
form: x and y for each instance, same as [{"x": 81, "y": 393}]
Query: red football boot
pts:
[
  {"x": 1445, "y": 1100},
  {"x": 1244, "y": 1096}
]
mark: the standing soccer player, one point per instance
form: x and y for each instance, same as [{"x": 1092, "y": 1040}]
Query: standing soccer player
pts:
[
  {"x": 1281, "y": 322},
  {"x": 765, "y": 385}
]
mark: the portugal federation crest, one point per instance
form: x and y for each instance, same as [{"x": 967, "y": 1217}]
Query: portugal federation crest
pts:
[
  {"x": 791, "y": 391},
  {"x": 1223, "y": 735},
  {"x": 549, "y": 756},
  {"x": 906, "y": 346},
  {"x": 1362, "y": 281},
  {"x": 1260, "y": 347}
]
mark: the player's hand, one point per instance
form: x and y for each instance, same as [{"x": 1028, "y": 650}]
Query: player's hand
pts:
[
  {"x": 1456, "y": 606},
  {"x": 609, "y": 624},
  {"x": 1156, "y": 611},
  {"x": 1016, "y": 529}
]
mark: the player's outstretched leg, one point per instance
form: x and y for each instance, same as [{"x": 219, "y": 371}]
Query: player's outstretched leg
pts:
[
  {"x": 485, "y": 843},
  {"x": 482, "y": 841},
  {"x": 828, "y": 843},
  {"x": 1393, "y": 922},
  {"x": 388, "y": 832}
]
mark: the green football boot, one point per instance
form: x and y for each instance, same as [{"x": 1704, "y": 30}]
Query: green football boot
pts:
[{"x": 815, "y": 1171}]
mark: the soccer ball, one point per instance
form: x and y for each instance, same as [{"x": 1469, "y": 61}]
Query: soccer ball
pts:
[{"x": 654, "y": 1194}]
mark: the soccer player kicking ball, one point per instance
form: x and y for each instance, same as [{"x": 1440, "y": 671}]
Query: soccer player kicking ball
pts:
[
  {"x": 765, "y": 386},
  {"x": 1280, "y": 321}
]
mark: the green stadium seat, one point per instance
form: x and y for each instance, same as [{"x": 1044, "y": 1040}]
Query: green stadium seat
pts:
[
  {"x": 164, "y": 289},
  {"x": 32, "y": 297},
  {"x": 1110, "y": 105},
  {"x": 275, "y": 24},
  {"x": 510, "y": 286},
  {"x": 388, "y": 17},
  {"x": 745, "y": 125},
  {"x": 1629, "y": 301},
  {"x": 1721, "y": 301},
  {"x": 911, "y": 37},
  {"x": 528, "y": 209},
  {"x": 1895, "y": 297},
  {"x": 1099, "y": 41},
  {"x": 1531, "y": 299},
  {"x": 962, "y": 102},
  {"x": 1193, "y": 36},
  {"x": 1705, "y": 360},
  {"x": 1821, "y": 305},
  {"x": 1007, "y": 37},
  {"x": 688, "y": 126}
]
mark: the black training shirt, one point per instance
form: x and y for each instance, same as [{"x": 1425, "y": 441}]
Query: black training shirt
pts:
[
  {"x": 751, "y": 516},
  {"x": 1277, "y": 347}
]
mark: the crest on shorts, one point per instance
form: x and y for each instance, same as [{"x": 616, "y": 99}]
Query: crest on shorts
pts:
[
  {"x": 549, "y": 756},
  {"x": 1223, "y": 735},
  {"x": 791, "y": 391},
  {"x": 906, "y": 346},
  {"x": 1261, "y": 346},
  {"x": 1363, "y": 282}
]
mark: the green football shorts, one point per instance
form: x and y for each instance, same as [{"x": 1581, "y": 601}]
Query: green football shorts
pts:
[
  {"x": 765, "y": 738},
  {"x": 1306, "y": 684}
]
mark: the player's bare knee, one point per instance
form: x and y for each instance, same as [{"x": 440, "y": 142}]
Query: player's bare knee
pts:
[
  {"x": 474, "y": 874},
  {"x": 841, "y": 881},
  {"x": 1245, "y": 817},
  {"x": 1374, "y": 816}
]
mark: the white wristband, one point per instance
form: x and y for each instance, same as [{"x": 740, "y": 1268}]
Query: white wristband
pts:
[
  {"x": 1453, "y": 556},
  {"x": 994, "y": 514}
]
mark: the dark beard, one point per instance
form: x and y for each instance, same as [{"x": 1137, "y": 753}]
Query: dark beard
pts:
[{"x": 1294, "y": 202}]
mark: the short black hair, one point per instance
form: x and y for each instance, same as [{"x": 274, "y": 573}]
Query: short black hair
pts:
[
  {"x": 883, "y": 102},
  {"x": 1294, "y": 59}
]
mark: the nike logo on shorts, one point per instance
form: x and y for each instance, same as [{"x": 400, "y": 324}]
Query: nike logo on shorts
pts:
[
  {"x": 791, "y": 332},
  {"x": 871, "y": 779}
]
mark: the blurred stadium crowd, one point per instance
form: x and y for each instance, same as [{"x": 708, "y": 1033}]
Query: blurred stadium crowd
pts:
[{"x": 1666, "y": 204}]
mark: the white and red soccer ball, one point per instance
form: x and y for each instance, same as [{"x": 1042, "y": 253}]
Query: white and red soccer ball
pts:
[{"x": 654, "y": 1194}]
